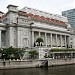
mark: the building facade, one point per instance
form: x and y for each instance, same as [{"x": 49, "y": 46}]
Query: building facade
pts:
[{"x": 21, "y": 28}]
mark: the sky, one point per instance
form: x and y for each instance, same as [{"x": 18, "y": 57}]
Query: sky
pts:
[{"x": 50, "y": 6}]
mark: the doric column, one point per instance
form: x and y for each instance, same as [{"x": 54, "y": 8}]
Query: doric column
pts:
[
  {"x": 19, "y": 38},
  {"x": 39, "y": 34},
  {"x": 0, "y": 38},
  {"x": 11, "y": 37},
  {"x": 68, "y": 41},
  {"x": 51, "y": 39},
  {"x": 65, "y": 41},
  {"x": 56, "y": 40},
  {"x": 61, "y": 39},
  {"x": 32, "y": 38},
  {"x": 53, "y": 55},
  {"x": 46, "y": 39}
]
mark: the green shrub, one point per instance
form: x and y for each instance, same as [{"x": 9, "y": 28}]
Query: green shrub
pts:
[
  {"x": 33, "y": 54},
  {"x": 12, "y": 53},
  {"x": 58, "y": 50}
]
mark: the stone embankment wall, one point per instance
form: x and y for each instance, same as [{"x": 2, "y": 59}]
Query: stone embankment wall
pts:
[
  {"x": 19, "y": 64},
  {"x": 56, "y": 62},
  {"x": 34, "y": 63}
]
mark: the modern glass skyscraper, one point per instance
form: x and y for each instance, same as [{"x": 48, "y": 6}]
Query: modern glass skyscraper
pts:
[{"x": 70, "y": 14}]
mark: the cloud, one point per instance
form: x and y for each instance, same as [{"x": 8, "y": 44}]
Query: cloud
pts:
[
  {"x": 69, "y": 5},
  {"x": 53, "y": 6},
  {"x": 16, "y": 2},
  {"x": 74, "y": 4}
]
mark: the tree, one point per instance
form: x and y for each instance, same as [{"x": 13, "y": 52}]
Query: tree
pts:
[
  {"x": 6, "y": 53},
  {"x": 39, "y": 40},
  {"x": 19, "y": 53},
  {"x": 33, "y": 54},
  {"x": 12, "y": 53}
]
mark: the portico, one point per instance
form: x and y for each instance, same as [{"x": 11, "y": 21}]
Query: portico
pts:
[{"x": 51, "y": 39}]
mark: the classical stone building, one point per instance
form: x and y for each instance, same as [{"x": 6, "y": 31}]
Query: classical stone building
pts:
[{"x": 21, "y": 28}]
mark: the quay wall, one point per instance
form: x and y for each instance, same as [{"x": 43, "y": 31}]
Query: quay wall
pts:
[
  {"x": 19, "y": 64},
  {"x": 34, "y": 63},
  {"x": 56, "y": 62}
]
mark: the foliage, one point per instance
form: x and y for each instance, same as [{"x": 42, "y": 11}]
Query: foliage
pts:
[
  {"x": 58, "y": 50},
  {"x": 39, "y": 40},
  {"x": 33, "y": 54},
  {"x": 12, "y": 53}
]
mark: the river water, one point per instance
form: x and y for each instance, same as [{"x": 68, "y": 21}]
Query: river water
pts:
[{"x": 59, "y": 70}]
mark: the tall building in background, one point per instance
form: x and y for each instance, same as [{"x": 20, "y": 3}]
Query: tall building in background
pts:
[{"x": 70, "y": 14}]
